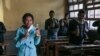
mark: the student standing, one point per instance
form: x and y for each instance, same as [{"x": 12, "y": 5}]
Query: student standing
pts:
[
  {"x": 78, "y": 29},
  {"x": 64, "y": 23},
  {"x": 52, "y": 26},
  {"x": 27, "y": 36},
  {"x": 2, "y": 32}
]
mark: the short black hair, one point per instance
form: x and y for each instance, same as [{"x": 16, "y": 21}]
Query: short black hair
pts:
[
  {"x": 51, "y": 11},
  {"x": 81, "y": 11},
  {"x": 26, "y": 15}
]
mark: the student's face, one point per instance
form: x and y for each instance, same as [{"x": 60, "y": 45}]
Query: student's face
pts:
[
  {"x": 81, "y": 16},
  {"x": 52, "y": 15},
  {"x": 28, "y": 21}
]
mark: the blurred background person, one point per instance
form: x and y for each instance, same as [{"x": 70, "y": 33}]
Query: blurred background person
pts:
[
  {"x": 78, "y": 29},
  {"x": 64, "y": 23},
  {"x": 52, "y": 26},
  {"x": 2, "y": 32}
]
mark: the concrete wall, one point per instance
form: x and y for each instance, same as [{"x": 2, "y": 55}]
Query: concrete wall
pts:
[
  {"x": 1, "y": 11},
  {"x": 14, "y": 10}
]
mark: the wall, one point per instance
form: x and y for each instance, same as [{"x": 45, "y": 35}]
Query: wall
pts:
[
  {"x": 1, "y": 11},
  {"x": 14, "y": 10}
]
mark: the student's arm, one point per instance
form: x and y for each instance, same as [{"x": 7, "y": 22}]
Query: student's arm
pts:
[
  {"x": 86, "y": 30},
  {"x": 37, "y": 37},
  {"x": 56, "y": 24},
  {"x": 18, "y": 40},
  {"x": 61, "y": 23},
  {"x": 46, "y": 25}
]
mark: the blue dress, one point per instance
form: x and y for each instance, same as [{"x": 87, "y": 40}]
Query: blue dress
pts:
[{"x": 26, "y": 47}]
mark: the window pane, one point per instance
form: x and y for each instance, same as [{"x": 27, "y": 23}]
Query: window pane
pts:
[
  {"x": 76, "y": 14},
  {"x": 90, "y": 6},
  {"x": 71, "y": 7},
  {"x": 70, "y": 1},
  {"x": 97, "y": 5},
  {"x": 96, "y": 0},
  {"x": 89, "y": 1},
  {"x": 90, "y": 13},
  {"x": 72, "y": 14},
  {"x": 76, "y": 7},
  {"x": 97, "y": 13},
  {"x": 80, "y": 6},
  {"x": 74, "y": 0}
]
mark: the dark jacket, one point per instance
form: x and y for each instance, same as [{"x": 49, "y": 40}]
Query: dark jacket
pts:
[
  {"x": 63, "y": 28},
  {"x": 52, "y": 26},
  {"x": 74, "y": 25},
  {"x": 2, "y": 31}
]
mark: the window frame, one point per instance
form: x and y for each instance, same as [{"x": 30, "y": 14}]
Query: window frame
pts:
[{"x": 85, "y": 7}]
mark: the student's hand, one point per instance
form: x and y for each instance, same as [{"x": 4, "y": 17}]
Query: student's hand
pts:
[
  {"x": 75, "y": 33},
  {"x": 26, "y": 34},
  {"x": 51, "y": 26},
  {"x": 38, "y": 32},
  {"x": 62, "y": 23}
]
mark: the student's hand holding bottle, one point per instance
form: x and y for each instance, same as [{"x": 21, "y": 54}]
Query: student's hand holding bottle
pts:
[{"x": 37, "y": 31}]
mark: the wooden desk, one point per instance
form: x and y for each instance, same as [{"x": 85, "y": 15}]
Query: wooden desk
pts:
[
  {"x": 55, "y": 43},
  {"x": 73, "y": 47}
]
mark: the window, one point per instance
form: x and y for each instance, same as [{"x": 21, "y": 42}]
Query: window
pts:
[
  {"x": 72, "y": 14},
  {"x": 80, "y": 6},
  {"x": 90, "y": 13},
  {"x": 96, "y": 0},
  {"x": 74, "y": 7},
  {"x": 76, "y": 13},
  {"x": 89, "y": 1},
  {"x": 97, "y": 5},
  {"x": 71, "y": 7},
  {"x": 92, "y": 8},
  {"x": 70, "y": 1},
  {"x": 74, "y": 0},
  {"x": 97, "y": 13}
]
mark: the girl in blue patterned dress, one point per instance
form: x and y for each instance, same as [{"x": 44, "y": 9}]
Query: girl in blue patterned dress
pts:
[{"x": 27, "y": 36}]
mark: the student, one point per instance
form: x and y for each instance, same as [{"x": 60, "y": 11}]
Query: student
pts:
[
  {"x": 52, "y": 26},
  {"x": 2, "y": 32},
  {"x": 78, "y": 29},
  {"x": 27, "y": 36},
  {"x": 97, "y": 24},
  {"x": 63, "y": 26}
]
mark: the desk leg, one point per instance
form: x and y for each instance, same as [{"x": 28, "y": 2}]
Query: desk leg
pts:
[
  {"x": 47, "y": 50},
  {"x": 56, "y": 50}
]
